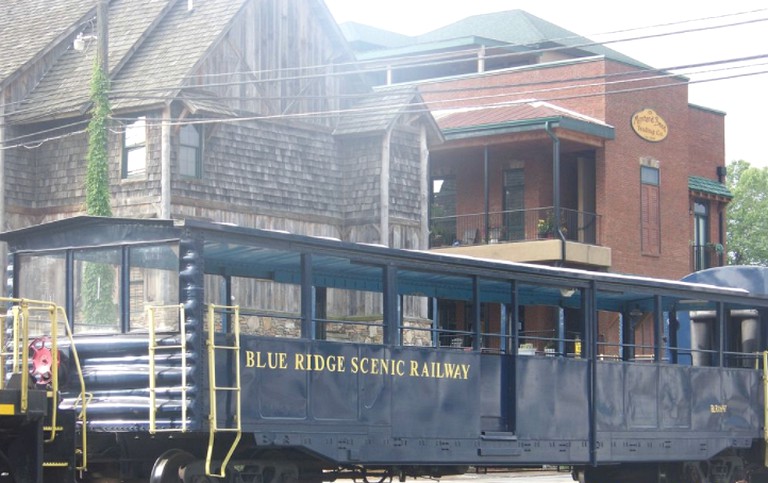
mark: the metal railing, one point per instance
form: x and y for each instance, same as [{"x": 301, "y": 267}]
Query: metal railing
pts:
[
  {"x": 706, "y": 256},
  {"x": 512, "y": 226}
]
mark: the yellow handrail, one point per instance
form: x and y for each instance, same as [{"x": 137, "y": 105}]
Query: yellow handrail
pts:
[
  {"x": 84, "y": 396},
  {"x": 765, "y": 406},
  {"x": 213, "y": 427}
]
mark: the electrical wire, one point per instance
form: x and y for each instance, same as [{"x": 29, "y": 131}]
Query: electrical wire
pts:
[{"x": 118, "y": 94}]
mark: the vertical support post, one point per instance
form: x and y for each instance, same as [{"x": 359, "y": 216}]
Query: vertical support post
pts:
[
  {"x": 165, "y": 164},
  {"x": 391, "y": 306},
  {"x": 721, "y": 334},
  {"x": 102, "y": 26},
  {"x": 308, "y": 327},
  {"x": 486, "y": 196},
  {"x": 384, "y": 188},
  {"x": 435, "y": 322},
  {"x": 589, "y": 314},
  {"x": 425, "y": 189},
  {"x": 511, "y": 378},
  {"x": 477, "y": 342},
  {"x": 658, "y": 328},
  {"x": 321, "y": 311}
]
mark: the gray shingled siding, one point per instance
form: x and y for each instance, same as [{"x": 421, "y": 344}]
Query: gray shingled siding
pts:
[
  {"x": 361, "y": 167},
  {"x": 267, "y": 167},
  {"x": 20, "y": 175},
  {"x": 405, "y": 176}
]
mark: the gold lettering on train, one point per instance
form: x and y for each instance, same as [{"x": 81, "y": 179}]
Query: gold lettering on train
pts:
[{"x": 373, "y": 366}]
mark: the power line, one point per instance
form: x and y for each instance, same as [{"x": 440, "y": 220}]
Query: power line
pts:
[{"x": 124, "y": 94}]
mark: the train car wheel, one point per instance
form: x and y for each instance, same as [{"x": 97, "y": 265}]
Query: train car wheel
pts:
[{"x": 167, "y": 466}]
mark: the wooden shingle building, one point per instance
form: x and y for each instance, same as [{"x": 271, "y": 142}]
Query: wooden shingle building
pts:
[{"x": 239, "y": 111}]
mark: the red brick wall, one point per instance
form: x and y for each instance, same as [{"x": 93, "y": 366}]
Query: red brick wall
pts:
[{"x": 694, "y": 146}]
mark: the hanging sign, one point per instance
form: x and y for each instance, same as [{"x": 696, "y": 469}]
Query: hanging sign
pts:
[{"x": 649, "y": 125}]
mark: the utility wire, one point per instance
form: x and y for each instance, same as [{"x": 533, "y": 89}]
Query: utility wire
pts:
[{"x": 117, "y": 94}]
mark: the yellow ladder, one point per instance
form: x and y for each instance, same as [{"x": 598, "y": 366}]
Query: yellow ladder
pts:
[
  {"x": 213, "y": 425},
  {"x": 153, "y": 348}
]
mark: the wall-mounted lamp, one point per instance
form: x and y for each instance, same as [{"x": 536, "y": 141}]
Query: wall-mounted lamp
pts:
[
  {"x": 567, "y": 292},
  {"x": 79, "y": 44}
]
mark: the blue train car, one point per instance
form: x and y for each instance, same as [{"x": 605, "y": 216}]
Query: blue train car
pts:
[{"x": 162, "y": 351}]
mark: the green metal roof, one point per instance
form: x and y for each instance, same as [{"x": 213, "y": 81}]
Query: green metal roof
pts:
[{"x": 705, "y": 185}]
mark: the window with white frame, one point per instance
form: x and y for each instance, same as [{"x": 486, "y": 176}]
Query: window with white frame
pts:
[{"x": 135, "y": 148}]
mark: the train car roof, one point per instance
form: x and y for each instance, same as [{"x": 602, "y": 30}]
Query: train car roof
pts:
[{"x": 252, "y": 252}]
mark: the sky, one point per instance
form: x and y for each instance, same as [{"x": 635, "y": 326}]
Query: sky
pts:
[{"x": 738, "y": 89}]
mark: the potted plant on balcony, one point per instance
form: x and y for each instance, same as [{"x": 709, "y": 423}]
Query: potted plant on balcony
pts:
[
  {"x": 547, "y": 229},
  {"x": 544, "y": 227}
]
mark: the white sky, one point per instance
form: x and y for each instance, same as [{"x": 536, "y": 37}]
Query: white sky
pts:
[{"x": 744, "y": 99}]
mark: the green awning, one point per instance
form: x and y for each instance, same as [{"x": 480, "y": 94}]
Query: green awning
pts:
[{"x": 708, "y": 186}]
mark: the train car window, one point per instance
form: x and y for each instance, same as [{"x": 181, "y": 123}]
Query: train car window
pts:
[
  {"x": 609, "y": 335},
  {"x": 42, "y": 277},
  {"x": 96, "y": 282},
  {"x": 417, "y": 325},
  {"x": 353, "y": 316},
  {"x": 267, "y": 308},
  {"x": 154, "y": 282}
]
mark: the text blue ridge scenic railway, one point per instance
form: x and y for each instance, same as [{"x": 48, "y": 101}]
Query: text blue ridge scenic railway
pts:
[{"x": 168, "y": 351}]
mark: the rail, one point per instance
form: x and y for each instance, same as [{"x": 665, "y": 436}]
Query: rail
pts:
[
  {"x": 512, "y": 226},
  {"x": 47, "y": 350},
  {"x": 213, "y": 388},
  {"x": 153, "y": 348}
]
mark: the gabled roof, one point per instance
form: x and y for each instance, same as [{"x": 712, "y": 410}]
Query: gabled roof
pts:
[
  {"x": 514, "y": 28},
  {"x": 29, "y": 28},
  {"x": 153, "y": 45},
  {"x": 364, "y": 37},
  {"x": 380, "y": 110},
  {"x": 518, "y": 27}
]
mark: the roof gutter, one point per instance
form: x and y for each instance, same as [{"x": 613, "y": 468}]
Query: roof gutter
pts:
[{"x": 556, "y": 188}]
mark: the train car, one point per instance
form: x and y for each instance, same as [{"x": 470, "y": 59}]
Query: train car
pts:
[{"x": 189, "y": 351}]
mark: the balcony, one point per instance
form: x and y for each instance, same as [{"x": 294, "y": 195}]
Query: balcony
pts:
[
  {"x": 523, "y": 236},
  {"x": 706, "y": 256}
]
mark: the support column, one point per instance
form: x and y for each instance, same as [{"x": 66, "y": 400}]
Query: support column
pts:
[
  {"x": 384, "y": 189},
  {"x": 165, "y": 164}
]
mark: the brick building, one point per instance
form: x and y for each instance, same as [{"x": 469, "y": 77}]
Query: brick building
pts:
[{"x": 546, "y": 130}]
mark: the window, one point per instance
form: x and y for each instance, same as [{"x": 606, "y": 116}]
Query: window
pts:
[
  {"x": 700, "y": 235},
  {"x": 514, "y": 203},
  {"x": 96, "y": 283},
  {"x": 442, "y": 223},
  {"x": 135, "y": 148},
  {"x": 650, "y": 209},
  {"x": 191, "y": 151}
]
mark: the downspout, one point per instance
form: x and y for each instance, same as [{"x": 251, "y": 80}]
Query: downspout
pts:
[
  {"x": 165, "y": 164},
  {"x": 384, "y": 188},
  {"x": 556, "y": 188}
]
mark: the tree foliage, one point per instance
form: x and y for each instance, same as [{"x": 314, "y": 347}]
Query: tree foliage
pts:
[
  {"x": 97, "y": 200},
  {"x": 748, "y": 214}
]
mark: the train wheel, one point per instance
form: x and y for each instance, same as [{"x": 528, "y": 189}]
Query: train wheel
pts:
[{"x": 167, "y": 466}]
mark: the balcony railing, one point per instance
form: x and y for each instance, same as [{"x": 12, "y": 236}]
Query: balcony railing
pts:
[
  {"x": 512, "y": 226},
  {"x": 706, "y": 256}
]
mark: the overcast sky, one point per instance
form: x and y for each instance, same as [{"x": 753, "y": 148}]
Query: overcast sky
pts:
[{"x": 743, "y": 97}]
